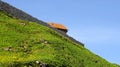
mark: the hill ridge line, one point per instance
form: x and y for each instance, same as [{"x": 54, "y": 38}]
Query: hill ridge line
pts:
[{"x": 17, "y": 13}]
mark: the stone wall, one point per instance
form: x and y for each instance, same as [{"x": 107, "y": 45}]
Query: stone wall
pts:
[{"x": 14, "y": 12}]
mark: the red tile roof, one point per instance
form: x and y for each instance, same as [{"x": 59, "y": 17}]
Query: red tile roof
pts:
[{"x": 59, "y": 26}]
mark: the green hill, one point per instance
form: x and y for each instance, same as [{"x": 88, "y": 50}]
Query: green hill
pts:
[{"x": 28, "y": 44}]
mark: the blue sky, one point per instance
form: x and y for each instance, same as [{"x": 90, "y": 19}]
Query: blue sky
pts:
[{"x": 95, "y": 23}]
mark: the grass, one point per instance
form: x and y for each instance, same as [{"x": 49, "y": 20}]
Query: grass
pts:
[{"x": 28, "y": 44}]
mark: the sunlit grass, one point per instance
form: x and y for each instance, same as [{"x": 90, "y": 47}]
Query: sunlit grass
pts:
[{"x": 22, "y": 43}]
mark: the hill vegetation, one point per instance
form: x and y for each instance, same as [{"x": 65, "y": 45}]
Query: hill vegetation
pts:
[{"x": 28, "y": 44}]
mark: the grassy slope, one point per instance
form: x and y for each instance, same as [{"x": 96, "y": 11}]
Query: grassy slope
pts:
[{"x": 22, "y": 43}]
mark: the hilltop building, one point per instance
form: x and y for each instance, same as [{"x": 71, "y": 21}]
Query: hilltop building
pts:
[{"x": 58, "y": 26}]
